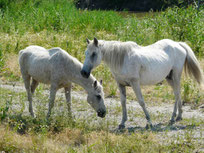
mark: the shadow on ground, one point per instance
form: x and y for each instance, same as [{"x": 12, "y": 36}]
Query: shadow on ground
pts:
[{"x": 160, "y": 127}]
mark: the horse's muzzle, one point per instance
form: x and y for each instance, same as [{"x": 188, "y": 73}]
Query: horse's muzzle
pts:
[
  {"x": 85, "y": 74},
  {"x": 101, "y": 113}
]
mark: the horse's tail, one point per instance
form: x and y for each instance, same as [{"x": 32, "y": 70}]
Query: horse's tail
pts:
[
  {"x": 192, "y": 66},
  {"x": 21, "y": 58},
  {"x": 20, "y": 52}
]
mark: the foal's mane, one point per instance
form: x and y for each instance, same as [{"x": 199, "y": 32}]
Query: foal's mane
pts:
[{"x": 115, "y": 51}]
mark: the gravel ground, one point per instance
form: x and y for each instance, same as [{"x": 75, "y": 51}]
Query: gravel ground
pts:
[{"x": 160, "y": 114}]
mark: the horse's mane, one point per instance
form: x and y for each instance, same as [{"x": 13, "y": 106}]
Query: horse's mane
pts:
[{"x": 115, "y": 51}]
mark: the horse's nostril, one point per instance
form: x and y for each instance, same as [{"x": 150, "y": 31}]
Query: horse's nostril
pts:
[
  {"x": 85, "y": 74},
  {"x": 101, "y": 114}
]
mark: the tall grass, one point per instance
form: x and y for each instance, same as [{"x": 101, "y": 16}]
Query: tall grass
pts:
[
  {"x": 51, "y": 23},
  {"x": 22, "y": 16}
]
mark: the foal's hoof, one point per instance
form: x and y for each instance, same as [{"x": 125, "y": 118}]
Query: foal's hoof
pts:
[
  {"x": 178, "y": 118},
  {"x": 120, "y": 127}
]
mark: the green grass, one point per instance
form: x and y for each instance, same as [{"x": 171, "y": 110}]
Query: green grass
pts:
[
  {"x": 62, "y": 17},
  {"x": 58, "y": 23}
]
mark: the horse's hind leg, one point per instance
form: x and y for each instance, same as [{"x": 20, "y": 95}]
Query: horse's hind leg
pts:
[
  {"x": 174, "y": 81},
  {"x": 123, "y": 103},
  {"x": 26, "y": 79},
  {"x": 136, "y": 87},
  {"x": 34, "y": 85},
  {"x": 178, "y": 98},
  {"x": 67, "y": 90}
]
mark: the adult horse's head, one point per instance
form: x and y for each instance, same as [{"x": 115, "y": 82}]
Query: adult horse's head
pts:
[
  {"x": 93, "y": 57},
  {"x": 96, "y": 99}
]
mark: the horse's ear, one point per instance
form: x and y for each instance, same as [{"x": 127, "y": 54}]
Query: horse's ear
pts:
[
  {"x": 95, "y": 84},
  {"x": 95, "y": 41},
  {"x": 101, "y": 82},
  {"x": 88, "y": 41}
]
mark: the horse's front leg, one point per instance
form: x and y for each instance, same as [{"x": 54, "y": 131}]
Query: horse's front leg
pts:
[
  {"x": 136, "y": 87},
  {"x": 123, "y": 103},
  {"x": 68, "y": 98},
  {"x": 53, "y": 90}
]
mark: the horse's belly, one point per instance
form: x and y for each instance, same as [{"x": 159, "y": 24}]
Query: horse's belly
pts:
[
  {"x": 152, "y": 76},
  {"x": 40, "y": 72},
  {"x": 41, "y": 77}
]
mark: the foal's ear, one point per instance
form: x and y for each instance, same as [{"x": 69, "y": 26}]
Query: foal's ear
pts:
[
  {"x": 95, "y": 84},
  {"x": 88, "y": 41},
  {"x": 95, "y": 42},
  {"x": 101, "y": 82}
]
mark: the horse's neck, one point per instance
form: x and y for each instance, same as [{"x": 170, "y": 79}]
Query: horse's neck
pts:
[
  {"x": 105, "y": 45},
  {"x": 75, "y": 66},
  {"x": 111, "y": 54},
  {"x": 86, "y": 83}
]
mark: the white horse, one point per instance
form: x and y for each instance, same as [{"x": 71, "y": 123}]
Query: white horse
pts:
[
  {"x": 56, "y": 67},
  {"x": 134, "y": 65}
]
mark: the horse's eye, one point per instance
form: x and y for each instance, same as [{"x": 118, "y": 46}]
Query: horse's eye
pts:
[
  {"x": 98, "y": 97},
  {"x": 93, "y": 55}
]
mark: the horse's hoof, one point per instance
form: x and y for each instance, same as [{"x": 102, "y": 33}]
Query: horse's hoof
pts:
[
  {"x": 171, "y": 122},
  {"x": 149, "y": 126},
  {"x": 70, "y": 116},
  {"x": 120, "y": 127},
  {"x": 32, "y": 114},
  {"x": 178, "y": 118}
]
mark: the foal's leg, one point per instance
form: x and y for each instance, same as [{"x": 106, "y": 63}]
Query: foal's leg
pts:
[
  {"x": 26, "y": 79},
  {"x": 175, "y": 83},
  {"x": 34, "y": 85},
  {"x": 53, "y": 90},
  {"x": 123, "y": 103},
  {"x": 68, "y": 98},
  {"x": 136, "y": 87}
]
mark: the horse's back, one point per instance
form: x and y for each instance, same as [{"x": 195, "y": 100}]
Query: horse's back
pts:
[
  {"x": 176, "y": 52},
  {"x": 167, "y": 45},
  {"x": 157, "y": 60},
  {"x": 35, "y": 62},
  {"x": 162, "y": 50},
  {"x": 44, "y": 65}
]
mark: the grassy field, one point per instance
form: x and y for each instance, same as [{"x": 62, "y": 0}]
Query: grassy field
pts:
[
  {"x": 50, "y": 23},
  {"x": 88, "y": 133}
]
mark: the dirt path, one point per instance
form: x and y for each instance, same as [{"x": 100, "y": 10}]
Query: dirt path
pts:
[{"x": 160, "y": 114}]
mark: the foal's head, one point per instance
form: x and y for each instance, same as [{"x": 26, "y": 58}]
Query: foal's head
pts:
[
  {"x": 96, "y": 99},
  {"x": 93, "y": 57}
]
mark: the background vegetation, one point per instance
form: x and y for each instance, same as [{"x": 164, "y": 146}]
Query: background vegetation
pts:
[
  {"x": 58, "y": 23},
  {"x": 135, "y": 5},
  {"x": 51, "y": 23}
]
